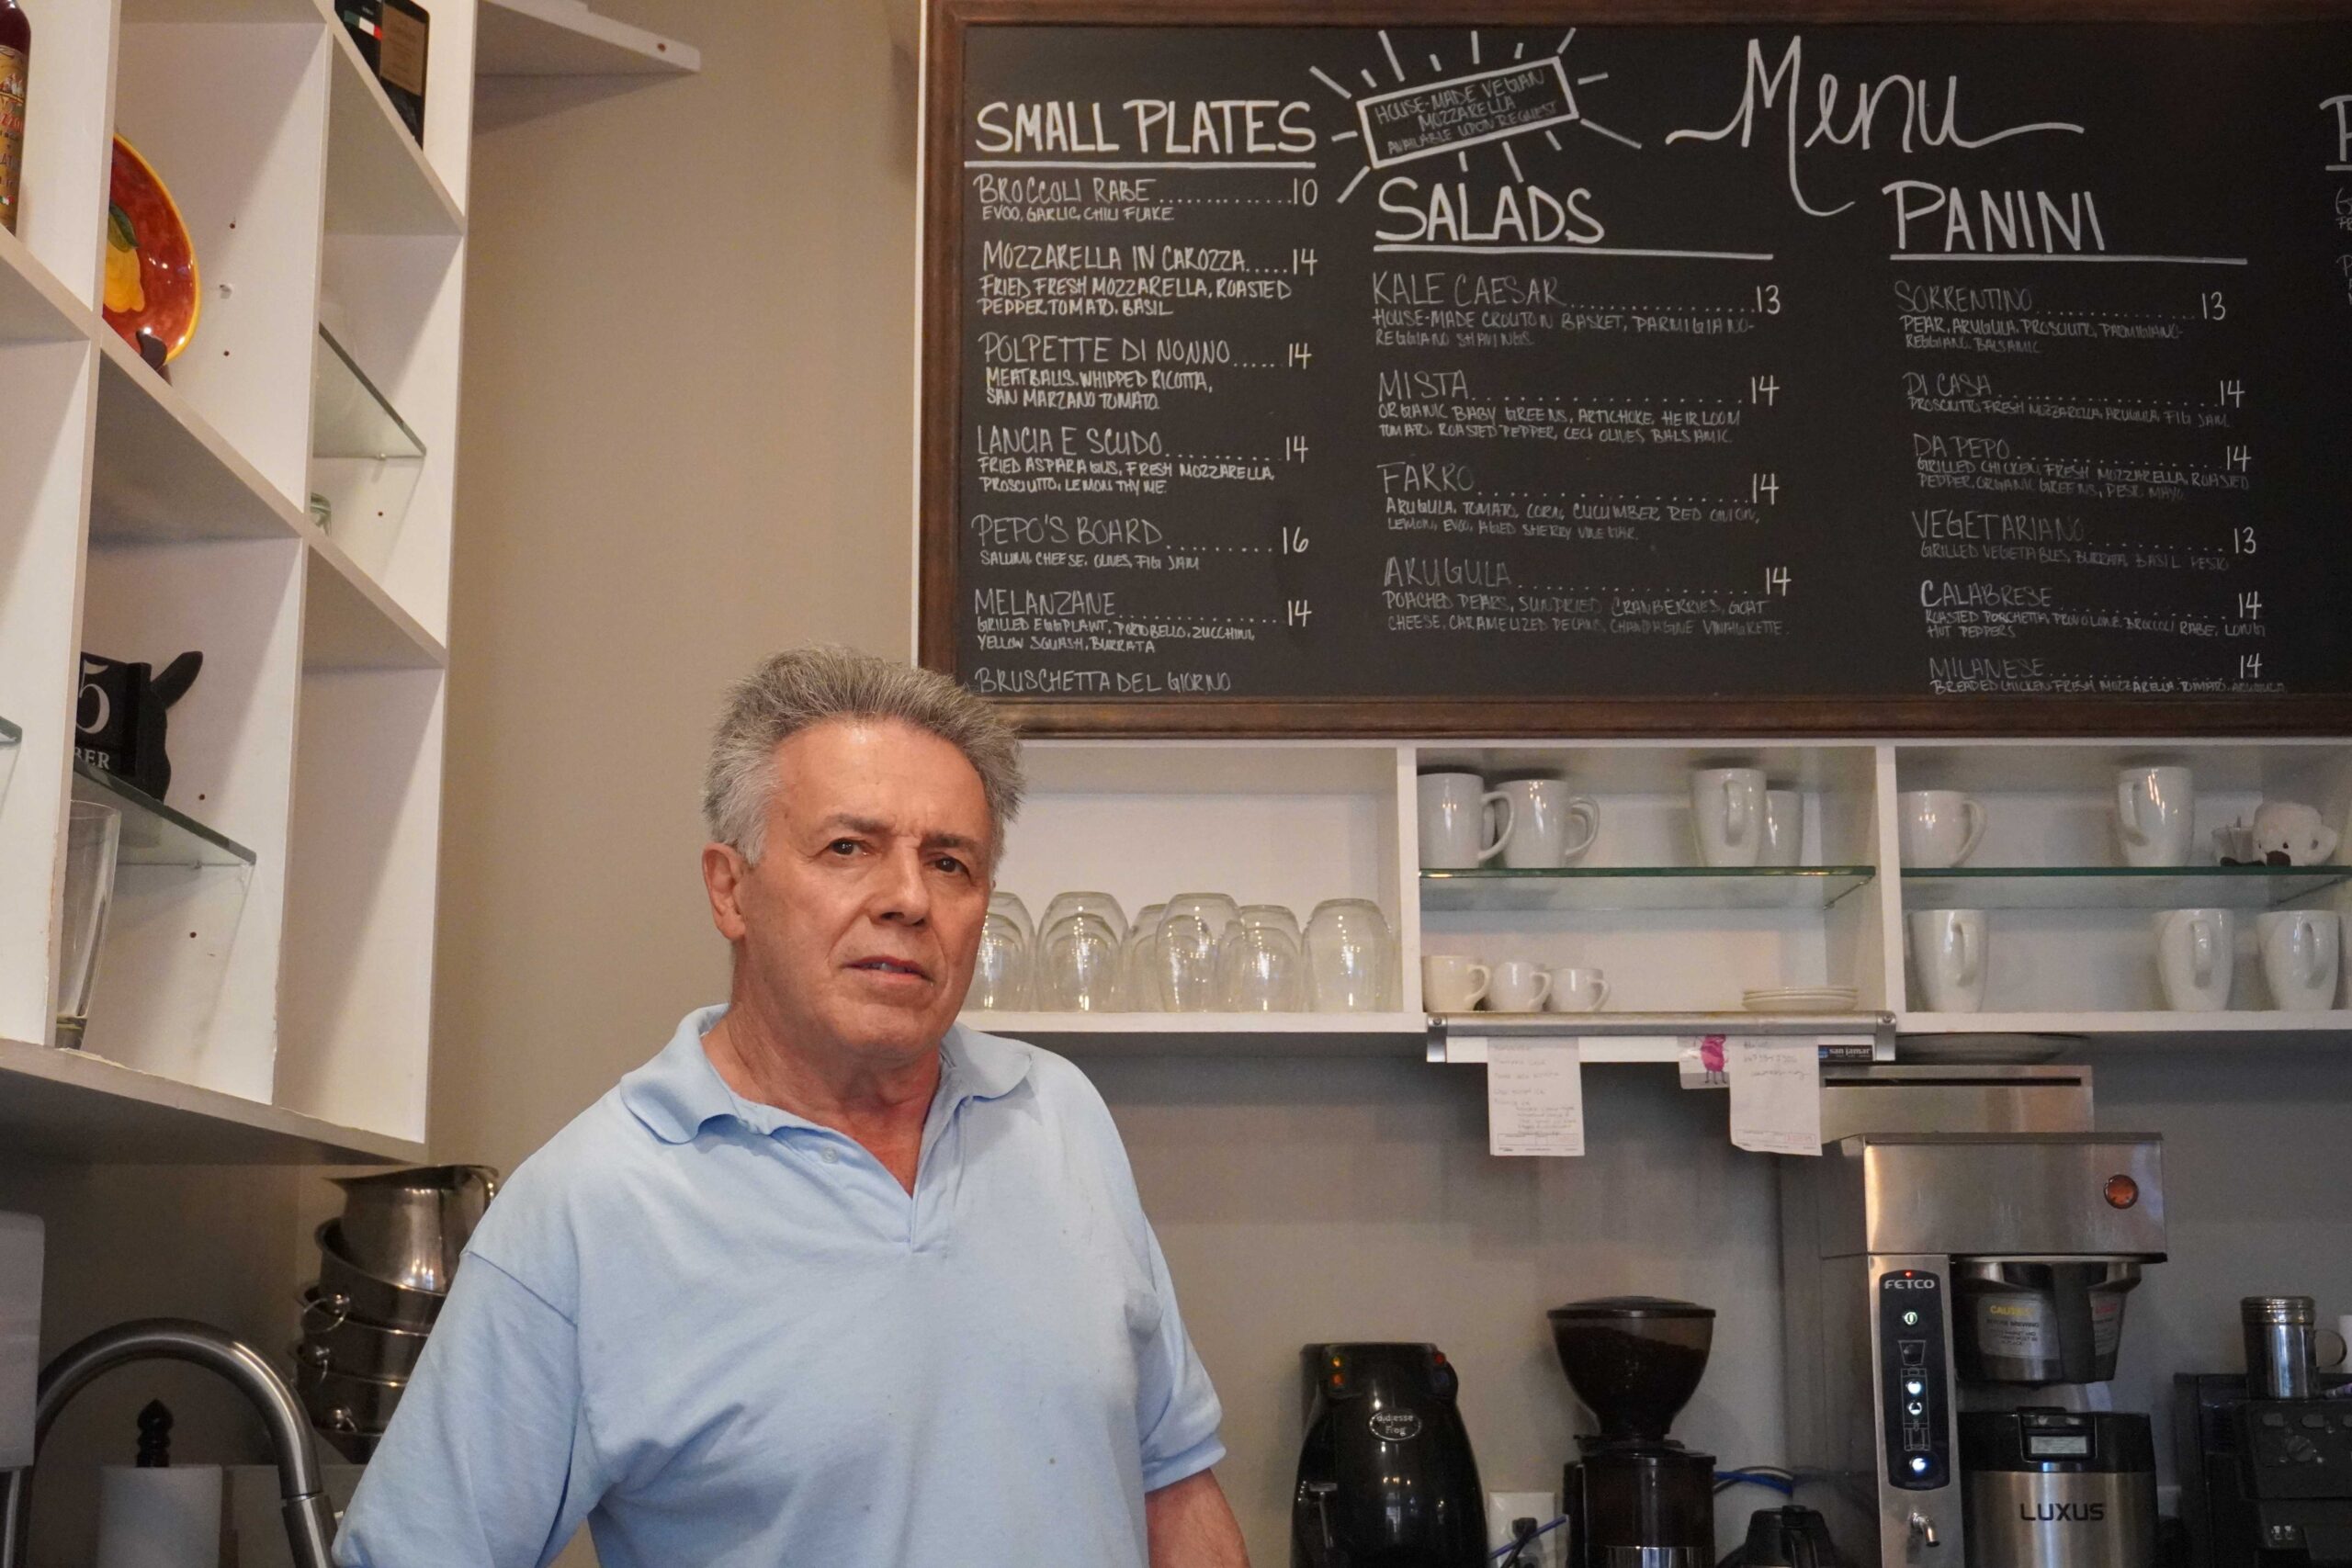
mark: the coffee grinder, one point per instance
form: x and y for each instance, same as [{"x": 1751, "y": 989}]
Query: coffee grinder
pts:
[
  {"x": 1943, "y": 1294},
  {"x": 1636, "y": 1497}
]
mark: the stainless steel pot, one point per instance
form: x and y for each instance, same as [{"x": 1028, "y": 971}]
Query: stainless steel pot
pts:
[
  {"x": 354, "y": 1293},
  {"x": 349, "y": 1412},
  {"x": 2038, "y": 1320},
  {"x": 333, "y": 1340},
  {"x": 411, "y": 1226}
]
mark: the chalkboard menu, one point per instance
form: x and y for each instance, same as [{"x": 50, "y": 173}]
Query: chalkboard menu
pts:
[{"x": 1587, "y": 377}]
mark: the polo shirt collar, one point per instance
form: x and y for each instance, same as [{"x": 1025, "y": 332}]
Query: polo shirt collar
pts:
[
  {"x": 679, "y": 1092},
  {"x": 982, "y": 1066}
]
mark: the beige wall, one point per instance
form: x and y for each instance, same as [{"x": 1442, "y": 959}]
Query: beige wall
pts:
[{"x": 686, "y": 442}]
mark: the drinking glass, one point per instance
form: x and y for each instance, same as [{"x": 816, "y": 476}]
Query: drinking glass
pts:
[
  {"x": 93, "y": 839},
  {"x": 1138, "y": 977},
  {"x": 1350, "y": 956},
  {"x": 1010, "y": 906},
  {"x": 1100, "y": 905},
  {"x": 1000, "y": 972},
  {"x": 1185, "y": 950},
  {"x": 1262, "y": 961},
  {"x": 1080, "y": 968}
]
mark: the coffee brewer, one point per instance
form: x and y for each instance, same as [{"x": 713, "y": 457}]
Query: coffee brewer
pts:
[
  {"x": 1386, "y": 1477},
  {"x": 1636, "y": 1497},
  {"x": 1944, "y": 1294}
]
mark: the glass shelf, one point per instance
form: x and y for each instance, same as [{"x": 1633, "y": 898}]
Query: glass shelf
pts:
[
  {"x": 349, "y": 417},
  {"x": 1605, "y": 888},
  {"x": 152, "y": 833},
  {"x": 2117, "y": 887}
]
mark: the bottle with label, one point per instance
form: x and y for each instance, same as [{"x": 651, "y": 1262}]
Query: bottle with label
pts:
[{"x": 15, "y": 59}]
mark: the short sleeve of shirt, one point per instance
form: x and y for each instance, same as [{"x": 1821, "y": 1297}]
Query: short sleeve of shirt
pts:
[
  {"x": 1177, "y": 1413},
  {"x": 488, "y": 1462}
]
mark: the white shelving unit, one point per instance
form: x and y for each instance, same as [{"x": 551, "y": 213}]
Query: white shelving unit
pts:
[
  {"x": 263, "y": 993},
  {"x": 2070, "y": 927}
]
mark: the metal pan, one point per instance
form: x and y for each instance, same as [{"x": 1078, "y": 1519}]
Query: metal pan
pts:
[
  {"x": 352, "y": 1291},
  {"x": 411, "y": 1226},
  {"x": 334, "y": 1341},
  {"x": 339, "y": 1404}
]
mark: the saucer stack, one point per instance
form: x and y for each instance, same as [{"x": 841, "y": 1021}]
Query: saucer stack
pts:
[
  {"x": 384, "y": 1271},
  {"x": 1800, "y": 999}
]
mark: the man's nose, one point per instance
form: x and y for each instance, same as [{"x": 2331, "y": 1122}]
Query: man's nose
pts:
[{"x": 901, "y": 893}]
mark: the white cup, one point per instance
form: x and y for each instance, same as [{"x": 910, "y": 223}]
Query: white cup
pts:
[
  {"x": 1577, "y": 990},
  {"x": 1451, "y": 983},
  {"x": 1783, "y": 827},
  {"x": 2196, "y": 953},
  {"x": 2154, "y": 808},
  {"x": 1947, "y": 954},
  {"x": 1549, "y": 827},
  {"x": 2342, "y": 969},
  {"x": 1727, "y": 815},
  {"x": 1519, "y": 986},
  {"x": 2299, "y": 957},
  {"x": 1939, "y": 828},
  {"x": 1463, "y": 823}
]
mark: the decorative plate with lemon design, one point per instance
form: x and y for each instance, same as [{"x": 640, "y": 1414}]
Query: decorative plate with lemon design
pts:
[{"x": 151, "y": 282}]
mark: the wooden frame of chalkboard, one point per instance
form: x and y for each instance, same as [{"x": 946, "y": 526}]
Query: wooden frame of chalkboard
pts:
[{"x": 942, "y": 372}]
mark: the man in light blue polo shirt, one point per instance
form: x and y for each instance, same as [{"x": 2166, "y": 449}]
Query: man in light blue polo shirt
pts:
[{"x": 832, "y": 1281}]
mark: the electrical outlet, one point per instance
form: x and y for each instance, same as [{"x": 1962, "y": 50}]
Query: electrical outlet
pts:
[{"x": 1502, "y": 1507}]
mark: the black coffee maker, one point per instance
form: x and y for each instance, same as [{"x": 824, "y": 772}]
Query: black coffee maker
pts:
[
  {"x": 1386, "y": 1479},
  {"x": 1636, "y": 1497}
]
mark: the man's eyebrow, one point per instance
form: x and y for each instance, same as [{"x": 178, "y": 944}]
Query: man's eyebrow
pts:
[{"x": 878, "y": 829}]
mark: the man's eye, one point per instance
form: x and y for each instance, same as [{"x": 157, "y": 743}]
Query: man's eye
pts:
[
  {"x": 950, "y": 864},
  {"x": 843, "y": 846}
]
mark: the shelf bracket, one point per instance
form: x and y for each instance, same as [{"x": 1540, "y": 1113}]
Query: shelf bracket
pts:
[{"x": 1846, "y": 1037}]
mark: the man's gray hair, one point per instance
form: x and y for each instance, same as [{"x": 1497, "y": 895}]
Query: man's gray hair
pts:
[{"x": 806, "y": 686}]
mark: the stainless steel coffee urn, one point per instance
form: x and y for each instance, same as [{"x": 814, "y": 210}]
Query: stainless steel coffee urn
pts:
[
  {"x": 1980, "y": 1267},
  {"x": 2051, "y": 1488}
]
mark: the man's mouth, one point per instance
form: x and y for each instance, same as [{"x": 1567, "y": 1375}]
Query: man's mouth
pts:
[{"x": 891, "y": 967}]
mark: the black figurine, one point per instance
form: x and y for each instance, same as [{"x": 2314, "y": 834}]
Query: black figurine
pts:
[
  {"x": 118, "y": 720},
  {"x": 155, "y": 1435}
]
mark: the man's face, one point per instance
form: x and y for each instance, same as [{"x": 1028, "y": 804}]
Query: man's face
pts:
[{"x": 857, "y": 929}]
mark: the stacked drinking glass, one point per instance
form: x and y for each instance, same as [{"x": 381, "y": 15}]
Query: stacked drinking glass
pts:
[{"x": 1196, "y": 952}]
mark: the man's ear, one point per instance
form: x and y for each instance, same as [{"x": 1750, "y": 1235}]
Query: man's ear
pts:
[{"x": 724, "y": 873}]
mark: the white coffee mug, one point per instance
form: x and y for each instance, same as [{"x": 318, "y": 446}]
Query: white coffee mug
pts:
[
  {"x": 1578, "y": 990},
  {"x": 1939, "y": 828},
  {"x": 1517, "y": 986},
  {"x": 1451, "y": 983},
  {"x": 1947, "y": 954},
  {"x": 1549, "y": 827},
  {"x": 2299, "y": 957},
  {"x": 1783, "y": 827},
  {"x": 2153, "y": 812},
  {"x": 2196, "y": 955},
  {"x": 1463, "y": 823},
  {"x": 1727, "y": 815}
]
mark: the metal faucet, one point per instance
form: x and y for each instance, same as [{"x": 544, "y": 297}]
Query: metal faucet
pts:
[{"x": 309, "y": 1522}]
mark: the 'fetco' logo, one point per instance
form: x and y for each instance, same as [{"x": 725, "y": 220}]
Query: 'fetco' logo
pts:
[
  {"x": 1395, "y": 1425},
  {"x": 1923, "y": 1283},
  {"x": 2062, "y": 1512}
]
